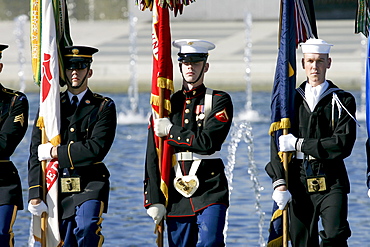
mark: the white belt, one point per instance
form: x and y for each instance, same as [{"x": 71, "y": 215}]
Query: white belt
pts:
[
  {"x": 300, "y": 156},
  {"x": 195, "y": 156}
]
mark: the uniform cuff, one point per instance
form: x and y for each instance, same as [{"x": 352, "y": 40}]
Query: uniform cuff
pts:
[
  {"x": 299, "y": 144},
  {"x": 278, "y": 183}
]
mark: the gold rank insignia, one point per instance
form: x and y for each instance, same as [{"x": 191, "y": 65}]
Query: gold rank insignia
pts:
[{"x": 19, "y": 118}]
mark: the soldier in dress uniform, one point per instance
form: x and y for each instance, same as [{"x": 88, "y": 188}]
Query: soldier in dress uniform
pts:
[
  {"x": 13, "y": 126},
  {"x": 322, "y": 135},
  {"x": 88, "y": 125},
  {"x": 199, "y": 123}
]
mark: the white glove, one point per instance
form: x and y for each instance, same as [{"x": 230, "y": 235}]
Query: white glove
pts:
[
  {"x": 281, "y": 198},
  {"x": 157, "y": 212},
  {"x": 44, "y": 151},
  {"x": 37, "y": 209},
  {"x": 287, "y": 143},
  {"x": 162, "y": 126},
  {"x": 368, "y": 193}
]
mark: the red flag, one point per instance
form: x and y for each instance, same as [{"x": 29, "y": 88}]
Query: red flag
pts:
[{"x": 162, "y": 84}]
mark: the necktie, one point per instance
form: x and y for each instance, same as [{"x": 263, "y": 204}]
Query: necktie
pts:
[{"x": 74, "y": 104}]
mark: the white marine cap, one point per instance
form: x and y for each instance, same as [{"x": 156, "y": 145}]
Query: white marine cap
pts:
[
  {"x": 316, "y": 46},
  {"x": 193, "y": 45}
]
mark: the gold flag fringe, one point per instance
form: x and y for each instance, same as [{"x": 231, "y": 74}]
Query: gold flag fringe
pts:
[
  {"x": 164, "y": 190},
  {"x": 40, "y": 123},
  {"x": 56, "y": 140},
  {"x": 165, "y": 83},
  {"x": 284, "y": 123},
  {"x": 290, "y": 155},
  {"x": 154, "y": 100},
  {"x": 175, "y": 5},
  {"x": 277, "y": 242}
]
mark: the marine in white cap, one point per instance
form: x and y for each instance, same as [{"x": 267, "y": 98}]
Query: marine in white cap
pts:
[
  {"x": 199, "y": 122},
  {"x": 193, "y": 54},
  {"x": 323, "y": 133}
]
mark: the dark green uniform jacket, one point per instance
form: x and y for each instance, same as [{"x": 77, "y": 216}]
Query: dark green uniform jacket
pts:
[
  {"x": 13, "y": 126},
  {"x": 190, "y": 133},
  {"x": 87, "y": 136}
]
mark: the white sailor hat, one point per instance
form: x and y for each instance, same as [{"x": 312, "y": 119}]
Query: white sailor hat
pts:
[
  {"x": 316, "y": 46},
  {"x": 193, "y": 50}
]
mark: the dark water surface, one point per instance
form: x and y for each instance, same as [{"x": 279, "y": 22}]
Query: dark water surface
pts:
[{"x": 127, "y": 223}]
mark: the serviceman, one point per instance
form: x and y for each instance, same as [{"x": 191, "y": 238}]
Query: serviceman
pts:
[
  {"x": 13, "y": 127},
  {"x": 197, "y": 127},
  {"x": 88, "y": 126},
  {"x": 322, "y": 135}
]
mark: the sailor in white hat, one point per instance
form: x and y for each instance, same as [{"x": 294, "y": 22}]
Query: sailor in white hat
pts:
[
  {"x": 199, "y": 123},
  {"x": 323, "y": 133},
  {"x": 316, "y": 61}
]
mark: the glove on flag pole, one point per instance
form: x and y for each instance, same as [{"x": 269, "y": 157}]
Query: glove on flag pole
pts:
[
  {"x": 362, "y": 26},
  {"x": 49, "y": 33},
  {"x": 297, "y": 24},
  {"x": 162, "y": 82}
]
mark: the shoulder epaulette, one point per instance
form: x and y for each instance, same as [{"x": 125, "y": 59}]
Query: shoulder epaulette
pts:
[
  {"x": 99, "y": 96},
  {"x": 12, "y": 92}
]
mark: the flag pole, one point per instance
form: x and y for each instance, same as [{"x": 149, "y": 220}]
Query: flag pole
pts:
[
  {"x": 160, "y": 226},
  {"x": 285, "y": 210},
  {"x": 44, "y": 216}
]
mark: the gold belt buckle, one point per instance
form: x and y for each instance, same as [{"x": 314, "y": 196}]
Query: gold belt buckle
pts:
[
  {"x": 70, "y": 184},
  {"x": 316, "y": 184}
]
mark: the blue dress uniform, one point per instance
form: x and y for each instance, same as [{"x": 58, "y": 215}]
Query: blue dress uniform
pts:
[
  {"x": 328, "y": 137},
  {"x": 86, "y": 137},
  {"x": 13, "y": 126},
  {"x": 190, "y": 133}
]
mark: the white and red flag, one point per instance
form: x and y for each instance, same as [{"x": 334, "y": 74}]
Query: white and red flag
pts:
[{"x": 49, "y": 30}]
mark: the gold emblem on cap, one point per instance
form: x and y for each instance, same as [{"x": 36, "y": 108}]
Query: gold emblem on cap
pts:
[
  {"x": 75, "y": 51},
  {"x": 190, "y": 43}
]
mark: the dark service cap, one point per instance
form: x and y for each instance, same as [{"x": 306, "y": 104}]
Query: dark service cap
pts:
[
  {"x": 2, "y": 47},
  {"x": 78, "y": 57}
]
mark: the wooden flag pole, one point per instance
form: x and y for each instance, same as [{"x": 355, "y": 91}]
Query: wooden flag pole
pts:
[
  {"x": 285, "y": 211},
  {"x": 160, "y": 226},
  {"x": 44, "y": 216}
]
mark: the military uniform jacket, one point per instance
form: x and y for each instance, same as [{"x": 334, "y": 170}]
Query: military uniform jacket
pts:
[
  {"x": 86, "y": 137},
  {"x": 190, "y": 132},
  {"x": 327, "y": 139},
  {"x": 13, "y": 126}
]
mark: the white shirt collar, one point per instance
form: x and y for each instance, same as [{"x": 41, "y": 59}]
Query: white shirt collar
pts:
[
  {"x": 79, "y": 96},
  {"x": 319, "y": 89}
]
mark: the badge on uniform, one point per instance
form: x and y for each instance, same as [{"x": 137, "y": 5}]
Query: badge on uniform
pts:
[
  {"x": 70, "y": 184},
  {"x": 316, "y": 184},
  {"x": 222, "y": 116},
  {"x": 186, "y": 185}
]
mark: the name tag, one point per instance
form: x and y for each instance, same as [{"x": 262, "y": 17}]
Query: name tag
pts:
[{"x": 70, "y": 184}]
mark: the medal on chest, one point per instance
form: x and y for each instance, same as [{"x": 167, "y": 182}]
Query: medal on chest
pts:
[{"x": 199, "y": 112}]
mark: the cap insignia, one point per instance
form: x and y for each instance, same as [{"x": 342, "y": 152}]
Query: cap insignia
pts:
[{"x": 75, "y": 51}]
